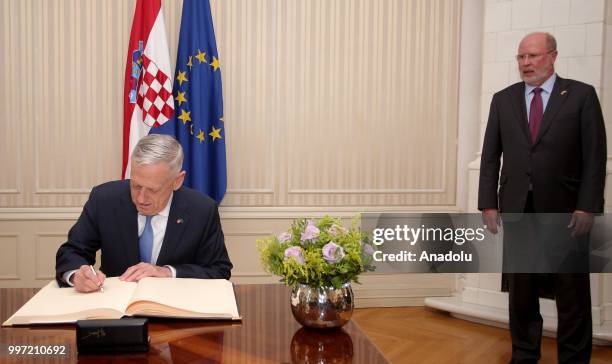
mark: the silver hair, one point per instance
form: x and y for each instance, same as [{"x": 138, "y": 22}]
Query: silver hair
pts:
[{"x": 155, "y": 148}]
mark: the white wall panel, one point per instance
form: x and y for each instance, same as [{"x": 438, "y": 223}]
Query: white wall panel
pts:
[
  {"x": 9, "y": 257},
  {"x": 46, "y": 247},
  {"x": 343, "y": 103},
  {"x": 337, "y": 106}
]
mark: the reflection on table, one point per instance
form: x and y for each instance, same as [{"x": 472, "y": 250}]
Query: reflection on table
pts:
[{"x": 267, "y": 334}]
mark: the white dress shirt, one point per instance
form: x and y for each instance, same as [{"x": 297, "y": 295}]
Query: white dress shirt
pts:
[
  {"x": 158, "y": 223},
  {"x": 546, "y": 87}
]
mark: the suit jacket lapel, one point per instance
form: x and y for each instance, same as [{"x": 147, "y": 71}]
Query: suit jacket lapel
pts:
[
  {"x": 520, "y": 109},
  {"x": 127, "y": 221},
  {"x": 552, "y": 108},
  {"x": 177, "y": 221}
]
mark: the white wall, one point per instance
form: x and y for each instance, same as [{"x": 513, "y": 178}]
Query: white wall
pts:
[{"x": 330, "y": 106}]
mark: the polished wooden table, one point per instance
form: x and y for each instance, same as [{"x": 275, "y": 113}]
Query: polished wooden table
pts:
[{"x": 267, "y": 334}]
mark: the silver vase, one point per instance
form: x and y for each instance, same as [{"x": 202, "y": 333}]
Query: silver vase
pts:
[{"x": 322, "y": 307}]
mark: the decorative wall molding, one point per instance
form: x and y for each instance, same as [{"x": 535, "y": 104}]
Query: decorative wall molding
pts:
[
  {"x": 39, "y": 238},
  {"x": 606, "y": 311},
  {"x": 10, "y": 191},
  {"x": 367, "y": 191},
  {"x": 237, "y": 191},
  {"x": 62, "y": 191},
  {"x": 39, "y": 213},
  {"x": 44, "y": 256},
  {"x": 72, "y": 213},
  {"x": 7, "y": 259}
]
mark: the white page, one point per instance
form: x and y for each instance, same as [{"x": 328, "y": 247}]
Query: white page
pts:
[
  {"x": 213, "y": 297},
  {"x": 55, "y": 304}
]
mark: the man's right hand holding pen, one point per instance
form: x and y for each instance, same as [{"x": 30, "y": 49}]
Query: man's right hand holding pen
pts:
[{"x": 87, "y": 279}]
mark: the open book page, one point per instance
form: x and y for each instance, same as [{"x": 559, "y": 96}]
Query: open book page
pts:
[
  {"x": 184, "y": 297},
  {"x": 53, "y": 304}
]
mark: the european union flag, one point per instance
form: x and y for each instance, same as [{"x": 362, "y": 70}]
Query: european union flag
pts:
[{"x": 198, "y": 117}]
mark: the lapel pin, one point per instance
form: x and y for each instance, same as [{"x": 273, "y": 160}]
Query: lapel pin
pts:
[
  {"x": 179, "y": 221},
  {"x": 563, "y": 92}
]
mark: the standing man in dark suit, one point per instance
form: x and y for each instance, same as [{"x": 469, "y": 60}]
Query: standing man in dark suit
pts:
[
  {"x": 148, "y": 226},
  {"x": 551, "y": 134}
]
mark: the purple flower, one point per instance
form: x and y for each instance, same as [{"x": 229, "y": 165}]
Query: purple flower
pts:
[
  {"x": 332, "y": 253},
  {"x": 284, "y": 237},
  {"x": 367, "y": 249},
  {"x": 311, "y": 231},
  {"x": 294, "y": 252}
]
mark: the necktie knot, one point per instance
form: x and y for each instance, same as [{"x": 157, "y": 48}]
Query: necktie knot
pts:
[{"x": 537, "y": 90}]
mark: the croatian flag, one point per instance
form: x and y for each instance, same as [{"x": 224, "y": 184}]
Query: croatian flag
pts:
[{"x": 147, "y": 94}]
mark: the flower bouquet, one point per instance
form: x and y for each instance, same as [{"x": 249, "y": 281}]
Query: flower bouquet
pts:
[
  {"x": 317, "y": 253},
  {"x": 319, "y": 260}
]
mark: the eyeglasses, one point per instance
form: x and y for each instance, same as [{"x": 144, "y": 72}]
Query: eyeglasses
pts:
[{"x": 527, "y": 56}]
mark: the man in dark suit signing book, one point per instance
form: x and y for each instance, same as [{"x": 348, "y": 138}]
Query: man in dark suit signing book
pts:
[
  {"x": 550, "y": 132},
  {"x": 147, "y": 226}
]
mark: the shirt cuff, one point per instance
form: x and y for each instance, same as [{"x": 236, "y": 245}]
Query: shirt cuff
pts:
[
  {"x": 67, "y": 275},
  {"x": 172, "y": 270}
]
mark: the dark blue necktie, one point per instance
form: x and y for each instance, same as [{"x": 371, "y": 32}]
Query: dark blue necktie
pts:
[{"x": 146, "y": 241}]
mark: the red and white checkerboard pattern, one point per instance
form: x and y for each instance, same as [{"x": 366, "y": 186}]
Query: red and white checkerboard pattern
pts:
[{"x": 155, "y": 94}]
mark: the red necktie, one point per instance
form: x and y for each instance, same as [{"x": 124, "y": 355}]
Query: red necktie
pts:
[{"x": 535, "y": 113}]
